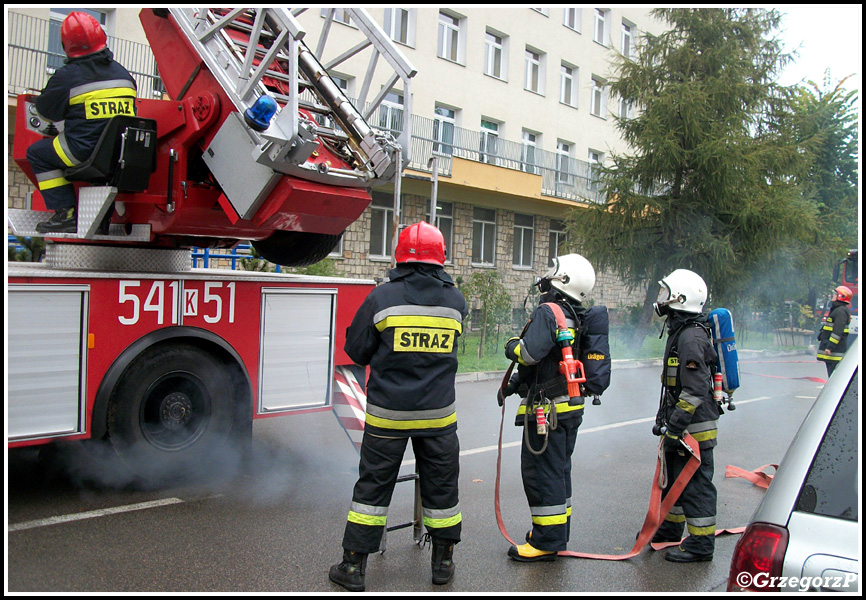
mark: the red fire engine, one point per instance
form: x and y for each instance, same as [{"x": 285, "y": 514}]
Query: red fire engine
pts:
[{"x": 115, "y": 336}]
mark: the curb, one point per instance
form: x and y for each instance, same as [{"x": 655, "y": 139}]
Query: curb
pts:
[{"x": 629, "y": 363}]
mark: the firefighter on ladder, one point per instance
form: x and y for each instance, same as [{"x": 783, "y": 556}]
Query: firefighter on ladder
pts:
[
  {"x": 833, "y": 337},
  {"x": 406, "y": 332},
  {"x": 545, "y": 460},
  {"x": 89, "y": 89},
  {"x": 687, "y": 405}
]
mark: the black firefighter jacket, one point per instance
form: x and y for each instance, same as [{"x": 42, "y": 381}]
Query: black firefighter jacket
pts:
[
  {"x": 406, "y": 331},
  {"x": 688, "y": 380},
  {"x": 834, "y": 333},
  {"x": 85, "y": 93}
]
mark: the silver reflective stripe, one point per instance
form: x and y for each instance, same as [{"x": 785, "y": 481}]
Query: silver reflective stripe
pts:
[
  {"x": 414, "y": 310},
  {"x": 525, "y": 356},
  {"x": 411, "y": 415},
  {"x": 50, "y": 175},
  {"x": 101, "y": 85},
  {"x": 441, "y": 513},
  {"x": 691, "y": 399},
  {"x": 703, "y": 426},
  {"x": 367, "y": 509},
  {"x": 701, "y": 521},
  {"x": 546, "y": 511}
]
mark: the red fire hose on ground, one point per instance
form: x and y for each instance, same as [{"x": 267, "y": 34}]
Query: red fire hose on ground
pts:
[{"x": 658, "y": 507}]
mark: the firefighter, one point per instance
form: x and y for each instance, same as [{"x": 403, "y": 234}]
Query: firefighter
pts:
[
  {"x": 89, "y": 89},
  {"x": 406, "y": 332},
  {"x": 688, "y": 405},
  {"x": 547, "y": 474},
  {"x": 833, "y": 337}
]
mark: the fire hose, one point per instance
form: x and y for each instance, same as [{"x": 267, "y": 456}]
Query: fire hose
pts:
[{"x": 658, "y": 507}]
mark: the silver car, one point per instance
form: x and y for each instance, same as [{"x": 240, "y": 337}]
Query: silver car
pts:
[{"x": 805, "y": 534}]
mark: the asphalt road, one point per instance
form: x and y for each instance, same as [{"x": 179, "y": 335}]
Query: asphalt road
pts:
[{"x": 274, "y": 522}]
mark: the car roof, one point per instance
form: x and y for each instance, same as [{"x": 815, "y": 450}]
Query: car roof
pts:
[{"x": 781, "y": 497}]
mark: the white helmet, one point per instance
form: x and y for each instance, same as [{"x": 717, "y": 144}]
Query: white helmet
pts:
[
  {"x": 684, "y": 291},
  {"x": 572, "y": 275}
]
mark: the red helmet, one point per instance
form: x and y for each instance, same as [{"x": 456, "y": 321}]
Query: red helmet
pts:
[
  {"x": 81, "y": 35},
  {"x": 422, "y": 243},
  {"x": 843, "y": 294}
]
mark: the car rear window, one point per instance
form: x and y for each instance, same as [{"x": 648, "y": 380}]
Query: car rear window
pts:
[{"x": 831, "y": 487}]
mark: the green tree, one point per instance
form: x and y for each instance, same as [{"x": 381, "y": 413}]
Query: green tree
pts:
[
  {"x": 31, "y": 249},
  {"x": 484, "y": 288},
  {"x": 710, "y": 181},
  {"x": 826, "y": 122}
]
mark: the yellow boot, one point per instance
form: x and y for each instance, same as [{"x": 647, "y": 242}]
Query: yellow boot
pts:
[{"x": 526, "y": 553}]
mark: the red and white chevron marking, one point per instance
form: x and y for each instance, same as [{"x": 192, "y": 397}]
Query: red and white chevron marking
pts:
[{"x": 350, "y": 404}]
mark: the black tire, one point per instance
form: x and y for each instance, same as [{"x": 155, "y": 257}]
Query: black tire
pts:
[
  {"x": 296, "y": 248},
  {"x": 171, "y": 413}
]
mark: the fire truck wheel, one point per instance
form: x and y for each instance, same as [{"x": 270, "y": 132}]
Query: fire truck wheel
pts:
[
  {"x": 296, "y": 248},
  {"x": 171, "y": 412}
]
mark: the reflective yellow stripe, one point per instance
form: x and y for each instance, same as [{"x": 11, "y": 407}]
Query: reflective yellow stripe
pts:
[
  {"x": 551, "y": 520},
  {"x": 709, "y": 530},
  {"x": 53, "y": 183},
  {"x": 414, "y": 424},
  {"x": 689, "y": 408},
  {"x": 442, "y": 523},
  {"x": 371, "y": 520},
  {"x": 419, "y": 321},
  {"x": 561, "y": 407},
  {"x": 675, "y": 518},
  {"x": 833, "y": 358},
  {"x": 62, "y": 153},
  {"x": 703, "y": 436}
]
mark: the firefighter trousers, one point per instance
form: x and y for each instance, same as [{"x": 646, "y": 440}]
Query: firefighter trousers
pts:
[
  {"x": 49, "y": 168},
  {"x": 437, "y": 458},
  {"x": 696, "y": 506},
  {"x": 547, "y": 483}
]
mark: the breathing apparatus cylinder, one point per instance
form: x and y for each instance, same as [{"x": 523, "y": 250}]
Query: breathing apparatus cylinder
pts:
[{"x": 569, "y": 366}]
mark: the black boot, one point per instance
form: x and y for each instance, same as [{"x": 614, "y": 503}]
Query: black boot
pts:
[
  {"x": 442, "y": 563},
  {"x": 64, "y": 220},
  {"x": 350, "y": 572}
]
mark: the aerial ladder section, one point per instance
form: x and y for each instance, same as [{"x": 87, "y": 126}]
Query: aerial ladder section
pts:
[{"x": 255, "y": 141}]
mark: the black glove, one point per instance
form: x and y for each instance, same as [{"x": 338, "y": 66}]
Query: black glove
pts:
[
  {"x": 672, "y": 440},
  {"x": 502, "y": 394}
]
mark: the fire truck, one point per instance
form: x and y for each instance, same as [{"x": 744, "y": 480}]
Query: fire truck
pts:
[{"x": 114, "y": 336}]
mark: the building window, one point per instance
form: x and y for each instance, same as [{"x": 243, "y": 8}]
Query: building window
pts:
[
  {"x": 534, "y": 79},
  {"x": 524, "y": 229},
  {"x": 381, "y": 225},
  {"x": 528, "y": 151},
  {"x": 571, "y": 18},
  {"x": 626, "y": 39},
  {"x": 594, "y": 158},
  {"x": 483, "y": 236},
  {"x": 568, "y": 84},
  {"x": 563, "y": 154},
  {"x": 540, "y": 10},
  {"x": 340, "y": 16},
  {"x": 391, "y": 113},
  {"x": 489, "y": 138},
  {"x": 599, "y": 31},
  {"x": 443, "y": 130},
  {"x": 597, "y": 99},
  {"x": 557, "y": 240},
  {"x": 445, "y": 223},
  {"x": 449, "y": 37},
  {"x": 400, "y": 25},
  {"x": 624, "y": 109},
  {"x": 493, "y": 56}
]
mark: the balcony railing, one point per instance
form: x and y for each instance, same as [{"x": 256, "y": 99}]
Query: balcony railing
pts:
[
  {"x": 31, "y": 63},
  {"x": 35, "y": 53}
]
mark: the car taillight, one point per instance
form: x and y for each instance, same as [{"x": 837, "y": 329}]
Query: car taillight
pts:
[{"x": 758, "y": 559}]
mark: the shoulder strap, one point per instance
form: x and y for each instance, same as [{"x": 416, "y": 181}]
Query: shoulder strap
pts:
[{"x": 558, "y": 314}]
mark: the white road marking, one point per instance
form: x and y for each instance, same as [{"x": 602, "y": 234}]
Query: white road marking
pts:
[
  {"x": 411, "y": 461},
  {"x": 92, "y": 514}
]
